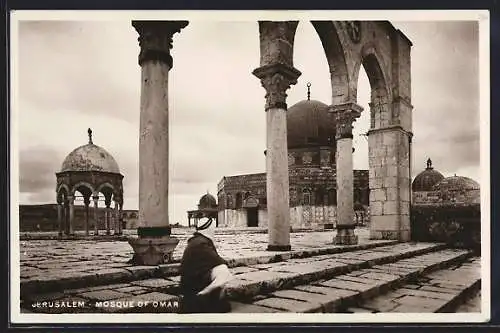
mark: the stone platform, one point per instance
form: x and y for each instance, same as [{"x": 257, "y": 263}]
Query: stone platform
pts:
[{"x": 316, "y": 276}]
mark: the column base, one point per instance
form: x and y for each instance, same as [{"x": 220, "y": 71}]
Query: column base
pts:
[
  {"x": 345, "y": 236},
  {"x": 152, "y": 251},
  {"x": 279, "y": 248}
]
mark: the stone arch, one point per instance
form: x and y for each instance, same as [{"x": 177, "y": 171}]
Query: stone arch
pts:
[
  {"x": 239, "y": 200},
  {"x": 63, "y": 188},
  {"x": 336, "y": 57},
  {"x": 306, "y": 196},
  {"x": 79, "y": 185},
  {"x": 381, "y": 93}
]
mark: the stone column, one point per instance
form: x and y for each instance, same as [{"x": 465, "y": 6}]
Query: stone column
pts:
[
  {"x": 87, "y": 203},
  {"x": 96, "y": 215},
  {"x": 276, "y": 79},
  {"x": 154, "y": 245},
  {"x": 120, "y": 218},
  {"x": 345, "y": 115},
  {"x": 116, "y": 222},
  {"x": 71, "y": 202},
  {"x": 60, "y": 218},
  {"x": 107, "y": 217}
]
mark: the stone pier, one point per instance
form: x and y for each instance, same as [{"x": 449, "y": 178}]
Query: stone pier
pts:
[
  {"x": 345, "y": 115},
  {"x": 154, "y": 244},
  {"x": 276, "y": 79}
]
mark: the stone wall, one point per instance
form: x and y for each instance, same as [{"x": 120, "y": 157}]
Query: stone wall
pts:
[
  {"x": 44, "y": 218},
  {"x": 458, "y": 225},
  {"x": 302, "y": 216},
  {"x": 314, "y": 186}
]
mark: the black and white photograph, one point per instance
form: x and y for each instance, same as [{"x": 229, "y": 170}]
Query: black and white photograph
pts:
[{"x": 304, "y": 166}]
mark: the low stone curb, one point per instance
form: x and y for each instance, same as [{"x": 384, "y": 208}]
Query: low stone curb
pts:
[
  {"x": 132, "y": 273},
  {"x": 248, "y": 290},
  {"x": 334, "y": 299}
]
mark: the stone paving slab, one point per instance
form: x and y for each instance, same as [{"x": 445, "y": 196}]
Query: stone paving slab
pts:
[
  {"x": 430, "y": 294},
  {"x": 339, "y": 293},
  {"x": 102, "y": 269}
]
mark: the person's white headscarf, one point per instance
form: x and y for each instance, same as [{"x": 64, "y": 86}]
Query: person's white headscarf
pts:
[{"x": 209, "y": 231}]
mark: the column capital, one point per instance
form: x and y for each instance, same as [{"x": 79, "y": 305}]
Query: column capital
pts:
[
  {"x": 95, "y": 198},
  {"x": 155, "y": 39},
  {"x": 345, "y": 114},
  {"x": 276, "y": 79},
  {"x": 71, "y": 199}
]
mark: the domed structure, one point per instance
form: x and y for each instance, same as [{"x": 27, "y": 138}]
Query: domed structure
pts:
[
  {"x": 90, "y": 170},
  {"x": 207, "y": 201},
  {"x": 207, "y": 207},
  {"x": 426, "y": 180},
  {"x": 456, "y": 183},
  {"x": 310, "y": 124},
  {"x": 90, "y": 157}
]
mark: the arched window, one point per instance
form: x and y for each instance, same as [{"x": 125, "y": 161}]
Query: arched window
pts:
[
  {"x": 239, "y": 200},
  {"x": 229, "y": 201},
  {"x": 306, "y": 197},
  {"x": 332, "y": 197}
]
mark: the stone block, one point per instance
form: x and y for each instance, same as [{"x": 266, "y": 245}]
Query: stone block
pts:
[
  {"x": 237, "y": 307},
  {"x": 289, "y": 305},
  {"x": 134, "y": 290},
  {"x": 390, "y": 207},
  {"x": 384, "y": 222},
  {"x": 103, "y": 295},
  {"x": 376, "y": 207},
  {"x": 349, "y": 285},
  {"x": 390, "y": 181},
  {"x": 155, "y": 283},
  {"x": 142, "y": 272},
  {"x": 332, "y": 293},
  {"x": 420, "y": 304},
  {"x": 378, "y": 195},
  {"x": 392, "y": 193},
  {"x": 300, "y": 295},
  {"x": 384, "y": 234}
]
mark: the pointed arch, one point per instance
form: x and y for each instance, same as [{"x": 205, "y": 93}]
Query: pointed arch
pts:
[{"x": 336, "y": 57}]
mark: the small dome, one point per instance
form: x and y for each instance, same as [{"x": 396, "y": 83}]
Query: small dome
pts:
[
  {"x": 426, "y": 180},
  {"x": 90, "y": 157},
  {"x": 310, "y": 124},
  {"x": 456, "y": 183},
  {"x": 207, "y": 201}
]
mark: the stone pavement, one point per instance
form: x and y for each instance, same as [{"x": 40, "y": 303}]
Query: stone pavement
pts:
[
  {"x": 314, "y": 277},
  {"x": 77, "y": 263}
]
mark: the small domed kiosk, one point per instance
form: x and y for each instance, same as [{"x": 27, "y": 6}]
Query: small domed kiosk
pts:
[
  {"x": 207, "y": 207},
  {"x": 90, "y": 170}
]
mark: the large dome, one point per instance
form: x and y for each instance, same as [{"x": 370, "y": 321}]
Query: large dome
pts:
[
  {"x": 90, "y": 157},
  {"x": 456, "y": 183},
  {"x": 426, "y": 180},
  {"x": 310, "y": 124}
]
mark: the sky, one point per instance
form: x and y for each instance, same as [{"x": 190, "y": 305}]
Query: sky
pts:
[{"x": 73, "y": 75}]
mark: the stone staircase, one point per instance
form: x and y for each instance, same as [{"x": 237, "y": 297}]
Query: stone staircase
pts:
[{"x": 396, "y": 277}]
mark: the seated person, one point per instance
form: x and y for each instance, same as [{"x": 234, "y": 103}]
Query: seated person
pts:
[{"x": 203, "y": 273}]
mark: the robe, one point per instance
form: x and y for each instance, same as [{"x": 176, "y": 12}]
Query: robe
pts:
[{"x": 198, "y": 260}]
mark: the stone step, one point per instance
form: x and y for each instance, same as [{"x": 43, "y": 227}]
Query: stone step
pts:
[
  {"x": 444, "y": 290},
  {"x": 349, "y": 289},
  {"x": 272, "y": 277},
  {"x": 107, "y": 276},
  {"x": 249, "y": 281}
]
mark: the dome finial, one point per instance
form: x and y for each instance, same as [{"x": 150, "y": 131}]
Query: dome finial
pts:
[
  {"x": 89, "y": 131},
  {"x": 308, "y": 91},
  {"x": 429, "y": 164}
]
